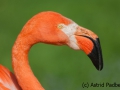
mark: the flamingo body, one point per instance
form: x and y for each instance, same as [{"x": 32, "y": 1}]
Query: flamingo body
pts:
[
  {"x": 8, "y": 80},
  {"x": 50, "y": 28}
]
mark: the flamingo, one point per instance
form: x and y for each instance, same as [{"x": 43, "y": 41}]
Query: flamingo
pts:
[{"x": 51, "y": 28}]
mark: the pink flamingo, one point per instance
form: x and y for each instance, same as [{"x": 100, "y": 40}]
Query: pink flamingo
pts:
[{"x": 50, "y": 28}]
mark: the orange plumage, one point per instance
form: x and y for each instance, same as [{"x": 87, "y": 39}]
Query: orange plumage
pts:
[{"x": 51, "y": 28}]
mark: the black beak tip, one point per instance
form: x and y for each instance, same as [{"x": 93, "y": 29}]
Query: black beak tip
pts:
[
  {"x": 96, "y": 62},
  {"x": 96, "y": 55}
]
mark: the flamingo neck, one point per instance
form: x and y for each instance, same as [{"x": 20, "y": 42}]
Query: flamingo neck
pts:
[{"x": 22, "y": 70}]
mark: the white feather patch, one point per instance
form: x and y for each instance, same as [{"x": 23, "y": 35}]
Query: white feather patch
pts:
[{"x": 70, "y": 30}]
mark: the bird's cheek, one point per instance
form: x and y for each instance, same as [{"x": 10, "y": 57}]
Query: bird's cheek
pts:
[{"x": 85, "y": 44}]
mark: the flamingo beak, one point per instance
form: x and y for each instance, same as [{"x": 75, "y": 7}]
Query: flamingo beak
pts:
[{"x": 90, "y": 44}]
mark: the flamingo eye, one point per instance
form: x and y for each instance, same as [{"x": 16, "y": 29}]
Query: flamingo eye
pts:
[{"x": 60, "y": 26}]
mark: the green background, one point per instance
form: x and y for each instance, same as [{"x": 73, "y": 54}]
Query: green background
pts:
[{"x": 61, "y": 68}]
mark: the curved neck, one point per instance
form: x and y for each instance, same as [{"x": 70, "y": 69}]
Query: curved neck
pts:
[{"x": 22, "y": 70}]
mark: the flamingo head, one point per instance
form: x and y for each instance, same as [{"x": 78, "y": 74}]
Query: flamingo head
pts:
[
  {"x": 53, "y": 28},
  {"x": 83, "y": 39}
]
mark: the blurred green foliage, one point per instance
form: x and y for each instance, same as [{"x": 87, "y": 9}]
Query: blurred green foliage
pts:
[{"x": 61, "y": 68}]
